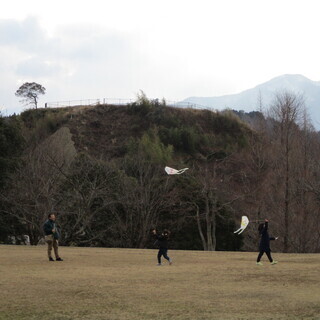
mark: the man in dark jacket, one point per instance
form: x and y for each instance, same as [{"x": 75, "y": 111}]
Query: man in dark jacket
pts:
[
  {"x": 162, "y": 241},
  {"x": 264, "y": 245},
  {"x": 52, "y": 236}
]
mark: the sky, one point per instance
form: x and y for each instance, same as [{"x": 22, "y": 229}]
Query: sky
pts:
[{"x": 169, "y": 49}]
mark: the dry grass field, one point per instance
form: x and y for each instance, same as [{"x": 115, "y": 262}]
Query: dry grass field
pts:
[{"x": 98, "y": 283}]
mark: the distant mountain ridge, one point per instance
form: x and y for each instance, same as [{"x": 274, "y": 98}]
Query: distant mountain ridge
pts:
[{"x": 249, "y": 100}]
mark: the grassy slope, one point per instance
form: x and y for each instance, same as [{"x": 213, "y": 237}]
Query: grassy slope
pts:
[
  {"x": 105, "y": 130},
  {"x": 97, "y": 283}
]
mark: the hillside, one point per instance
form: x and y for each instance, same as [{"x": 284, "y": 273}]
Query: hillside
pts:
[
  {"x": 105, "y": 130},
  {"x": 129, "y": 146},
  {"x": 102, "y": 170}
]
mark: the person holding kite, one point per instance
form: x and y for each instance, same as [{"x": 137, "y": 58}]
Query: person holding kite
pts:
[
  {"x": 264, "y": 245},
  {"x": 52, "y": 236},
  {"x": 162, "y": 242}
]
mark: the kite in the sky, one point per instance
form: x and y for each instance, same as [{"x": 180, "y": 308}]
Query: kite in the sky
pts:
[
  {"x": 174, "y": 171},
  {"x": 244, "y": 224}
]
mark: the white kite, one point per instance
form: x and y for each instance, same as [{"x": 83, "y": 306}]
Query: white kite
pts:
[
  {"x": 244, "y": 224},
  {"x": 174, "y": 171}
]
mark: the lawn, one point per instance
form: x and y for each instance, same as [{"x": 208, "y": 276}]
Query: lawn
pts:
[{"x": 101, "y": 283}]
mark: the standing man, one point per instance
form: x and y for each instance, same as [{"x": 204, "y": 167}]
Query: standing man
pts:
[{"x": 52, "y": 236}]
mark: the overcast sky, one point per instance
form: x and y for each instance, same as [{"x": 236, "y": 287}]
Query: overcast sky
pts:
[{"x": 172, "y": 49}]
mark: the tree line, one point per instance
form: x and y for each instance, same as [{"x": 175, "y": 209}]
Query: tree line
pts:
[{"x": 266, "y": 169}]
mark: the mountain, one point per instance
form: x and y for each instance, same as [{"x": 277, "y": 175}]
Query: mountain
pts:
[{"x": 249, "y": 100}]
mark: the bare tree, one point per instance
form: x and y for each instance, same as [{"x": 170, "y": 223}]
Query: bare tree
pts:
[
  {"x": 307, "y": 179},
  {"x": 145, "y": 194},
  {"x": 286, "y": 110},
  {"x": 31, "y": 193},
  {"x": 215, "y": 180},
  {"x": 84, "y": 197}
]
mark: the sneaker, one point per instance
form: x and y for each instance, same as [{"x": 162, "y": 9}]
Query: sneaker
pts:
[
  {"x": 59, "y": 259},
  {"x": 159, "y": 264},
  {"x": 274, "y": 262},
  {"x": 259, "y": 263},
  {"x": 50, "y": 259},
  {"x": 170, "y": 262}
]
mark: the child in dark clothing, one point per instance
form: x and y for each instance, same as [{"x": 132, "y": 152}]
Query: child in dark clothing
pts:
[
  {"x": 162, "y": 241},
  {"x": 264, "y": 245}
]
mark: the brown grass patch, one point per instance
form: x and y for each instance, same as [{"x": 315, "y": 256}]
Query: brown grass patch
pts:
[{"x": 98, "y": 283}]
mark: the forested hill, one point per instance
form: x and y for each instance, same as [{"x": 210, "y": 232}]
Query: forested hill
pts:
[
  {"x": 109, "y": 131},
  {"x": 102, "y": 170}
]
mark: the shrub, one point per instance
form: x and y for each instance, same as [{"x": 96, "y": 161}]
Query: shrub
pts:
[
  {"x": 150, "y": 148},
  {"x": 42, "y": 122}
]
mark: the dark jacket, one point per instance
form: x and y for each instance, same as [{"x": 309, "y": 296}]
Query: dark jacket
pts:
[
  {"x": 48, "y": 226},
  {"x": 162, "y": 241},
  {"x": 265, "y": 239}
]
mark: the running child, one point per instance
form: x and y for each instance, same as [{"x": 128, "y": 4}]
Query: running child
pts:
[{"x": 162, "y": 241}]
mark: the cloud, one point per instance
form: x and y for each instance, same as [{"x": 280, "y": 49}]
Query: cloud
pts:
[
  {"x": 36, "y": 68},
  {"x": 80, "y": 42},
  {"x": 26, "y": 35},
  {"x": 85, "y": 60},
  {"x": 79, "y": 61},
  {"x": 94, "y": 46}
]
